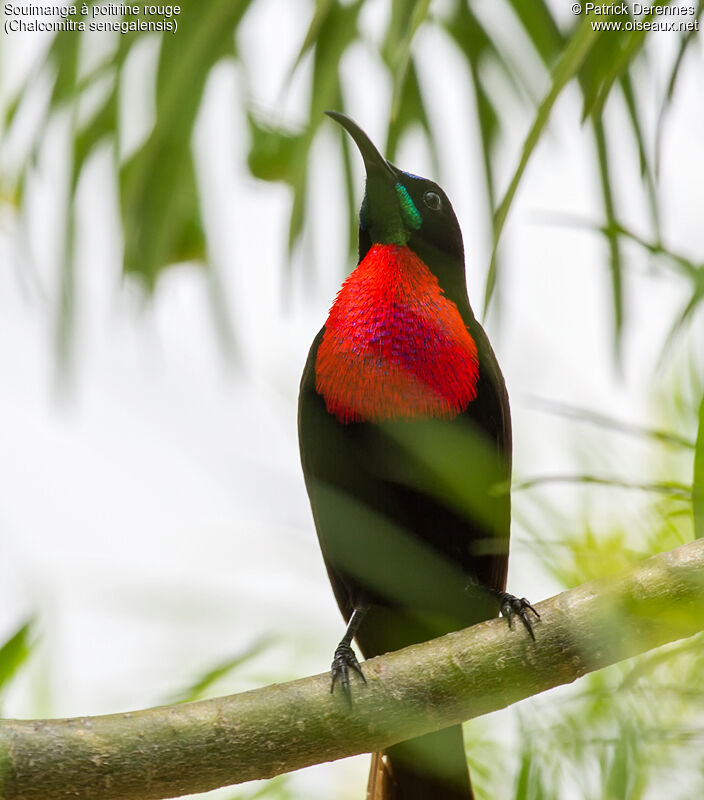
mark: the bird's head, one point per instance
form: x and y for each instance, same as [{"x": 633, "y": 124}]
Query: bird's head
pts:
[{"x": 404, "y": 209}]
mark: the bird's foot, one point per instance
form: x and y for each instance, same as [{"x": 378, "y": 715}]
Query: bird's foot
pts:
[
  {"x": 511, "y": 605},
  {"x": 344, "y": 661}
]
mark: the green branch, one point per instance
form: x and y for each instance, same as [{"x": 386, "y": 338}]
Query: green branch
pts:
[{"x": 175, "y": 750}]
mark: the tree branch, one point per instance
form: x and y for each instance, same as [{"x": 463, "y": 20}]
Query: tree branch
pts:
[{"x": 175, "y": 750}]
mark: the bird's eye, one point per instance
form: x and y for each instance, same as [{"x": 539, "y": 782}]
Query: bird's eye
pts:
[{"x": 432, "y": 200}]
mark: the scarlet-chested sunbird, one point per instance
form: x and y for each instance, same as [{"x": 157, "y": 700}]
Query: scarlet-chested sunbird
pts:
[{"x": 405, "y": 437}]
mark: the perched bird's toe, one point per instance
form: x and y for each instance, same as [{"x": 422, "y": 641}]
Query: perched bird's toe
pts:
[
  {"x": 519, "y": 606},
  {"x": 344, "y": 661}
]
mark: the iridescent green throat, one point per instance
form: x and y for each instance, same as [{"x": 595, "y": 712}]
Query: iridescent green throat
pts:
[
  {"x": 409, "y": 213},
  {"x": 394, "y": 223}
]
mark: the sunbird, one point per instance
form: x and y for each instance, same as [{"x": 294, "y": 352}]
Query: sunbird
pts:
[{"x": 405, "y": 440}]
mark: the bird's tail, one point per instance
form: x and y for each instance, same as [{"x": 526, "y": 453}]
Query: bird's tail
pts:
[{"x": 431, "y": 767}]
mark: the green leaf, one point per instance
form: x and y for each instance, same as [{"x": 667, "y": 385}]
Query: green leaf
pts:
[
  {"x": 323, "y": 8},
  {"x": 273, "y": 154},
  {"x": 14, "y": 652},
  {"x": 609, "y": 61},
  {"x": 613, "y": 424},
  {"x": 669, "y": 488},
  {"x": 615, "y": 264},
  {"x": 600, "y": 68},
  {"x": 685, "y": 42},
  {"x": 475, "y": 45},
  {"x": 277, "y": 788},
  {"x": 567, "y": 67},
  {"x": 102, "y": 126},
  {"x": 199, "y": 688},
  {"x": 63, "y": 54},
  {"x": 352, "y": 216},
  {"x": 530, "y": 780},
  {"x": 337, "y": 31},
  {"x": 682, "y": 264},
  {"x": 617, "y": 778},
  {"x": 158, "y": 192},
  {"x": 540, "y": 27},
  {"x": 298, "y": 209},
  {"x": 523, "y": 777},
  {"x": 646, "y": 169},
  {"x": 334, "y": 31},
  {"x": 406, "y": 19},
  {"x": 478, "y": 47},
  {"x": 687, "y": 312},
  {"x": 411, "y": 111}
]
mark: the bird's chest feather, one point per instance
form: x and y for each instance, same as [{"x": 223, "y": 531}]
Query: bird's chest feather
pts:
[{"x": 394, "y": 347}]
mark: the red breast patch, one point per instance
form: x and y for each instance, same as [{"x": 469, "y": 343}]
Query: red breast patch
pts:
[{"x": 394, "y": 346}]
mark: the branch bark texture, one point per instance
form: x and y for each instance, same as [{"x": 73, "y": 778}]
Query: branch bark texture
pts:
[{"x": 176, "y": 750}]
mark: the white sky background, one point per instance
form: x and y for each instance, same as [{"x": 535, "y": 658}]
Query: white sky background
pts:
[{"x": 155, "y": 518}]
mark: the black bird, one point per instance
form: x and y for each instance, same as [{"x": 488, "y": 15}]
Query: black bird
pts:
[{"x": 405, "y": 438}]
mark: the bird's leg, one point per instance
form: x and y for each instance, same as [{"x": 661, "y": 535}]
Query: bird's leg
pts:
[
  {"x": 510, "y": 605},
  {"x": 345, "y": 658}
]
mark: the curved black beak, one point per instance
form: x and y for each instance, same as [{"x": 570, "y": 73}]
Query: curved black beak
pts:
[{"x": 373, "y": 160}]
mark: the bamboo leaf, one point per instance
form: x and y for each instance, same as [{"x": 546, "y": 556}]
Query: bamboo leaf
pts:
[
  {"x": 684, "y": 265},
  {"x": 523, "y": 777},
  {"x": 63, "y": 55},
  {"x": 613, "y": 424},
  {"x": 352, "y": 216},
  {"x": 681, "y": 264},
  {"x": 274, "y": 152},
  {"x": 615, "y": 263},
  {"x": 609, "y": 61},
  {"x": 158, "y": 192},
  {"x": 618, "y": 771},
  {"x": 476, "y": 45},
  {"x": 686, "y": 313},
  {"x": 601, "y": 68},
  {"x": 540, "y": 27},
  {"x": 411, "y": 111},
  {"x": 14, "y": 652},
  {"x": 567, "y": 67},
  {"x": 646, "y": 170},
  {"x": 322, "y": 9},
  {"x": 336, "y": 30},
  {"x": 200, "y": 687},
  {"x": 406, "y": 19},
  {"x": 685, "y": 42},
  {"x": 669, "y": 488}
]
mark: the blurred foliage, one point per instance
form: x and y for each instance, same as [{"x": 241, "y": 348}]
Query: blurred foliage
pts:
[
  {"x": 205, "y": 684},
  {"x": 627, "y": 728},
  {"x": 158, "y": 183},
  {"x": 278, "y": 788},
  {"x": 671, "y": 481},
  {"x": 14, "y": 654},
  {"x": 632, "y": 731}
]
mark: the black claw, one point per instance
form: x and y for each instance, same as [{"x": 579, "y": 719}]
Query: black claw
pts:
[
  {"x": 511, "y": 605},
  {"x": 343, "y": 661}
]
